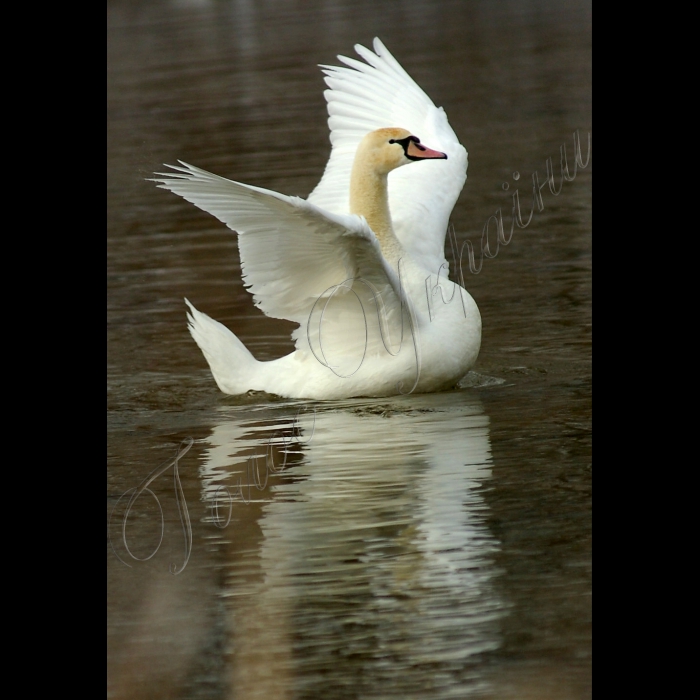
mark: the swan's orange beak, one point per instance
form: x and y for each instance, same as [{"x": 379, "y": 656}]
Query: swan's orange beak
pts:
[{"x": 417, "y": 151}]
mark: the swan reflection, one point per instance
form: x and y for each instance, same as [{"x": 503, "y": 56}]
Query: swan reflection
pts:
[{"x": 364, "y": 567}]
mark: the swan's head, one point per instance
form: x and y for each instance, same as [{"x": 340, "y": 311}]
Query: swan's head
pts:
[{"x": 390, "y": 148}]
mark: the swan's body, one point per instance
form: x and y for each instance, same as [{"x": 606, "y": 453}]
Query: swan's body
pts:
[{"x": 360, "y": 265}]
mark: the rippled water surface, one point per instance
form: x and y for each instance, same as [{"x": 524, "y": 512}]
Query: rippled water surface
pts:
[{"x": 432, "y": 546}]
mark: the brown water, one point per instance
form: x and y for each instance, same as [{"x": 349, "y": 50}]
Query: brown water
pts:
[{"x": 433, "y": 546}]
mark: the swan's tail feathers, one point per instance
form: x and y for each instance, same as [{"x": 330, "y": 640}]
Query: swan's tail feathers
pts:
[{"x": 230, "y": 361}]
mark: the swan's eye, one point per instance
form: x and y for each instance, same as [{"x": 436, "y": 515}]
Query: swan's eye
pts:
[{"x": 404, "y": 142}]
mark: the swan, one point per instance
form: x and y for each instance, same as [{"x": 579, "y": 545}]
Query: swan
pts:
[{"x": 360, "y": 263}]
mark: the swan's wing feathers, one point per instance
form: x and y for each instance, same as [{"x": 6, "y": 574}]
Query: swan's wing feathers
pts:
[
  {"x": 376, "y": 94},
  {"x": 292, "y": 252}
]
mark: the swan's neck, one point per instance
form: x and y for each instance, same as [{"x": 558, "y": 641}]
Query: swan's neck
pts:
[{"x": 369, "y": 197}]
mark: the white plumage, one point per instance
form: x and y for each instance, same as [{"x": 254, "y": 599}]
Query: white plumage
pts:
[
  {"x": 372, "y": 321},
  {"x": 379, "y": 93}
]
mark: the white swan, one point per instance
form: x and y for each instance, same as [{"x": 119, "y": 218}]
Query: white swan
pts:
[{"x": 360, "y": 264}]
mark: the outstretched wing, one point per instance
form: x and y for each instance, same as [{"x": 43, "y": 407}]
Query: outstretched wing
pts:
[
  {"x": 376, "y": 94},
  {"x": 294, "y": 255}
]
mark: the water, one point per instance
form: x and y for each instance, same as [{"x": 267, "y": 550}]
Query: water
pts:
[{"x": 433, "y": 546}]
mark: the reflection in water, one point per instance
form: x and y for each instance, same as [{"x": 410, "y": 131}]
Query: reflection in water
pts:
[{"x": 371, "y": 573}]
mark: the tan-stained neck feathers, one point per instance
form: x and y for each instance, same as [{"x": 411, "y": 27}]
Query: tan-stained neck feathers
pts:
[{"x": 376, "y": 157}]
